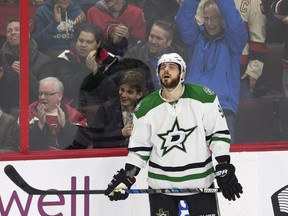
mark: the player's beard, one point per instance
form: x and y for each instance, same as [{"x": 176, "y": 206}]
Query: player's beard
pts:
[{"x": 172, "y": 83}]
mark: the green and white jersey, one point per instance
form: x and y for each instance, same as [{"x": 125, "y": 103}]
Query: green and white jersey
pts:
[{"x": 176, "y": 139}]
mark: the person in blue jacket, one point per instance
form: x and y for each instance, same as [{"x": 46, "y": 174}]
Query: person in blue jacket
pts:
[
  {"x": 214, "y": 50},
  {"x": 56, "y": 23}
]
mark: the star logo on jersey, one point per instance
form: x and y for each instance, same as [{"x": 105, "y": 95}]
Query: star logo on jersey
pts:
[
  {"x": 162, "y": 213},
  {"x": 175, "y": 138}
]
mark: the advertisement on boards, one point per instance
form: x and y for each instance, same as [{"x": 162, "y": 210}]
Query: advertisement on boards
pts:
[{"x": 261, "y": 174}]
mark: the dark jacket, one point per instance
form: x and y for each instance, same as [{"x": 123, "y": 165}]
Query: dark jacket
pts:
[
  {"x": 95, "y": 90},
  {"x": 72, "y": 70},
  {"x": 106, "y": 131},
  {"x": 40, "y": 66},
  {"x": 9, "y": 133}
]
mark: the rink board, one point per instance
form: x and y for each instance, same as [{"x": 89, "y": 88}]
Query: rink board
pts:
[{"x": 261, "y": 174}]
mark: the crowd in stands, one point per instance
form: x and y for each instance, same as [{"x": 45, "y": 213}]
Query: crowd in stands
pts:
[{"x": 92, "y": 61}]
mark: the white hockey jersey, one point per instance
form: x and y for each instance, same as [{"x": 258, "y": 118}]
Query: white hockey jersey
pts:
[{"x": 176, "y": 139}]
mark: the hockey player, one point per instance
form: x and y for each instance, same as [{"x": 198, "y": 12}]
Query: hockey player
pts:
[{"x": 175, "y": 130}]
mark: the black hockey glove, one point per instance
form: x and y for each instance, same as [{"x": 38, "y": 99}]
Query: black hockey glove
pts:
[
  {"x": 227, "y": 181},
  {"x": 116, "y": 188}
]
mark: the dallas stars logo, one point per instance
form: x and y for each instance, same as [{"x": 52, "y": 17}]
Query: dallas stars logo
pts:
[{"x": 175, "y": 138}]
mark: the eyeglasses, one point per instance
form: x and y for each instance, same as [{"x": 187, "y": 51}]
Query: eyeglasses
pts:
[
  {"x": 47, "y": 94},
  {"x": 212, "y": 18}
]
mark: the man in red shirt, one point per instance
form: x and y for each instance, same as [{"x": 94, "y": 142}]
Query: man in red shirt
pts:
[
  {"x": 53, "y": 123},
  {"x": 121, "y": 24}
]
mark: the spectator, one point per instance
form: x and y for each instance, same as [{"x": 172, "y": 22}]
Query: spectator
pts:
[
  {"x": 40, "y": 66},
  {"x": 52, "y": 124},
  {"x": 121, "y": 24},
  {"x": 280, "y": 11},
  {"x": 99, "y": 88},
  {"x": 253, "y": 55},
  {"x": 56, "y": 23},
  {"x": 113, "y": 120},
  {"x": 75, "y": 64},
  {"x": 10, "y": 8},
  {"x": 9, "y": 133},
  {"x": 160, "y": 41},
  {"x": 215, "y": 49}
]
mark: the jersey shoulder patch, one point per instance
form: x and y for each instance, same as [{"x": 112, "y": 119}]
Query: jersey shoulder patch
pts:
[
  {"x": 200, "y": 93},
  {"x": 208, "y": 91}
]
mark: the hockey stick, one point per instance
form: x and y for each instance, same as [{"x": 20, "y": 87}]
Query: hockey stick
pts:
[{"x": 15, "y": 177}]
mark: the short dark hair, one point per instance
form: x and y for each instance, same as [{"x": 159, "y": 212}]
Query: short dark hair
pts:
[
  {"x": 90, "y": 29},
  {"x": 168, "y": 26}
]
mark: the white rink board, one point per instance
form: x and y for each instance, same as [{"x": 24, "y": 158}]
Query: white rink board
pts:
[{"x": 260, "y": 173}]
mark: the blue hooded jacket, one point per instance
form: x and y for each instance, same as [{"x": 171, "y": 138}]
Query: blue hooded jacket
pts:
[
  {"x": 214, "y": 62},
  {"x": 50, "y": 35}
]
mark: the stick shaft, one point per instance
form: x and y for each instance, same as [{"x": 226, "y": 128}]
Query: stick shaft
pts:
[
  {"x": 12, "y": 173},
  {"x": 35, "y": 191}
]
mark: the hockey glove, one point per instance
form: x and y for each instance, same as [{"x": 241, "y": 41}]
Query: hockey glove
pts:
[
  {"x": 227, "y": 181},
  {"x": 116, "y": 188}
]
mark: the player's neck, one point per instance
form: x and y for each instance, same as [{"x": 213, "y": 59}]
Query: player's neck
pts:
[{"x": 172, "y": 95}]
